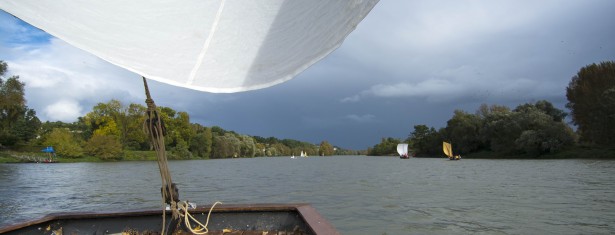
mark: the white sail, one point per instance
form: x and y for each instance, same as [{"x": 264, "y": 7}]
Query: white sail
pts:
[
  {"x": 214, "y": 46},
  {"x": 402, "y": 149}
]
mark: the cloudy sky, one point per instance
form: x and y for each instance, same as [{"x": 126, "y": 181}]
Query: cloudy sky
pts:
[{"x": 407, "y": 63}]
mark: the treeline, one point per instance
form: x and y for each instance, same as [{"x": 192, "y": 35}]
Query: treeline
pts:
[
  {"x": 529, "y": 129},
  {"x": 112, "y": 127},
  {"x": 18, "y": 123}
]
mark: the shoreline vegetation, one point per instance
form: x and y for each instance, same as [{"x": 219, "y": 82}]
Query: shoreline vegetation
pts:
[
  {"x": 530, "y": 130},
  {"x": 575, "y": 152},
  {"x": 113, "y": 131}
]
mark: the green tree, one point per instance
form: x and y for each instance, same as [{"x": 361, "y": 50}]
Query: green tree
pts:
[
  {"x": 247, "y": 147},
  {"x": 271, "y": 151},
  {"x": 550, "y": 139},
  {"x": 3, "y": 67},
  {"x": 546, "y": 107},
  {"x": 261, "y": 150},
  {"x": 26, "y": 127},
  {"x": 107, "y": 127},
  {"x": 591, "y": 99},
  {"x": 499, "y": 129},
  {"x": 540, "y": 133},
  {"x": 18, "y": 123},
  {"x": 485, "y": 111},
  {"x": 64, "y": 142},
  {"x": 178, "y": 127},
  {"x": 279, "y": 149},
  {"x": 114, "y": 118},
  {"x": 463, "y": 131},
  {"x": 293, "y": 144},
  {"x": 532, "y": 129},
  {"x": 134, "y": 137},
  {"x": 79, "y": 128},
  {"x": 105, "y": 147},
  {"x": 104, "y": 119},
  {"x": 387, "y": 146},
  {"x": 425, "y": 141},
  {"x": 325, "y": 149},
  {"x": 201, "y": 144},
  {"x": 180, "y": 150},
  {"x": 226, "y": 146}
]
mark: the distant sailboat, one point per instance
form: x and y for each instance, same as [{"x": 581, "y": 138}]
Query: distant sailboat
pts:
[
  {"x": 448, "y": 151},
  {"x": 402, "y": 150},
  {"x": 303, "y": 154}
]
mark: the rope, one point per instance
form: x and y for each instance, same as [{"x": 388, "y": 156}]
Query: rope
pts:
[
  {"x": 154, "y": 127},
  {"x": 188, "y": 217}
]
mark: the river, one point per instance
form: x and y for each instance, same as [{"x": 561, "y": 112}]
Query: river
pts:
[{"x": 357, "y": 194}]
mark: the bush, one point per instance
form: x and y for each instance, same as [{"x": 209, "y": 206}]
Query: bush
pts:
[
  {"x": 180, "y": 151},
  {"x": 105, "y": 147},
  {"x": 64, "y": 142}
]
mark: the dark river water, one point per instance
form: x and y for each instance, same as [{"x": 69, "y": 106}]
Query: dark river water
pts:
[{"x": 357, "y": 194}]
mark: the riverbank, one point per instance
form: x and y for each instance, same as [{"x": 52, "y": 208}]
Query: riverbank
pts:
[
  {"x": 573, "y": 152},
  {"x": 576, "y": 152},
  {"x": 22, "y": 157}
]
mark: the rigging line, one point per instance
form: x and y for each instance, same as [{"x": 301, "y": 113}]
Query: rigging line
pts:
[
  {"x": 154, "y": 127},
  {"x": 206, "y": 44}
]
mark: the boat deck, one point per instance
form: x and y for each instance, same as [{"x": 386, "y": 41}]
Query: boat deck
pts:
[{"x": 245, "y": 219}]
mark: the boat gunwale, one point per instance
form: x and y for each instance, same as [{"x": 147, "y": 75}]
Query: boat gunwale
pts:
[{"x": 313, "y": 219}]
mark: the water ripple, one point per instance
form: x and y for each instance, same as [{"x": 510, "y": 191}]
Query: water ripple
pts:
[{"x": 359, "y": 195}]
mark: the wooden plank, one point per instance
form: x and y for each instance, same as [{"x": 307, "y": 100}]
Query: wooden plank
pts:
[
  {"x": 311, "y": 217},
  {"x": 316, "y": 222}
]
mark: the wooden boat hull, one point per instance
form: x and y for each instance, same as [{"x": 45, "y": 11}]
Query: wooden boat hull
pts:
[{"x": 238, "y": 219}]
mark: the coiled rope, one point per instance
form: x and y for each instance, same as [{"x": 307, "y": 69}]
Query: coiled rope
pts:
[{"x": 202, "y": 229}]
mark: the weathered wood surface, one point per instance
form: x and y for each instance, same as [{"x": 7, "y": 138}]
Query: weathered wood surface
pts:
[{"x": 262, "y": 219}]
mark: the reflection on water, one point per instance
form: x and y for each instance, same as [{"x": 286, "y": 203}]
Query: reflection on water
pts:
[{"x": 359, "y": 195}]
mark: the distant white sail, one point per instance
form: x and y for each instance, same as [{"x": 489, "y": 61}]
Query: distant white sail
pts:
[
  {"x": 214, "y": 46},
  {"x": 402, "y": 149}
]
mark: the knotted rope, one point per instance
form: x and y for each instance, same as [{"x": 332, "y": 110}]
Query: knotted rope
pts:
[{"x": 154, "y": 127}]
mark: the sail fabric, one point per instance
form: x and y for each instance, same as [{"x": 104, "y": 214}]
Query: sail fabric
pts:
[
  {"x": 215, "y": 46},
  {"x": 402, "y": 149},
  {"x": 448, "y": 149}
]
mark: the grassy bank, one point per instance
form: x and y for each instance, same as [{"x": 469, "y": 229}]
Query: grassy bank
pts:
[
  {"x": 19, "y": 157},
  {"x": 140, "y": 156}
]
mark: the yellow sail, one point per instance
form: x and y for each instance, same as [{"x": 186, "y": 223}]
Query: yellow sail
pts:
[{"x": 448, "y": 149}]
